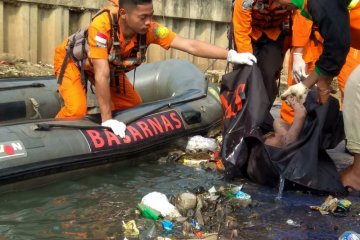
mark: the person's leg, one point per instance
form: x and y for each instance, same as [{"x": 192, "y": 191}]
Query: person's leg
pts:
[
  {"x": 71, "y": 89},
  {"x": 270, "y": 59},
  {"x": 351, "y": 113},
  {"x": 350, "y": 177},
  {"x": 128, "y": 97}
]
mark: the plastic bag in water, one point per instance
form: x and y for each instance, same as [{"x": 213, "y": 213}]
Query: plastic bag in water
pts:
[
  {"x": 349, "y": 235},
  {"x": 159, "y": 202},
  {"x": 201, "y": 144}
]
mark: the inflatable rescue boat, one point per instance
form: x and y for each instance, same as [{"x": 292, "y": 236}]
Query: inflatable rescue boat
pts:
[{"x": 178, "y": 102}]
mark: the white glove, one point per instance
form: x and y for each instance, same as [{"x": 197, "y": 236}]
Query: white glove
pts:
[
  {"x": 116, "y": 126},
  {"x": 299, "y": 67},
  {"x": 298, "y": 90},
  {"x": 241, "y": 58}
]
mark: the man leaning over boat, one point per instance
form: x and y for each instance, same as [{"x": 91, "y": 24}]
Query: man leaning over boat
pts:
[{"x": 114, "y": 43}]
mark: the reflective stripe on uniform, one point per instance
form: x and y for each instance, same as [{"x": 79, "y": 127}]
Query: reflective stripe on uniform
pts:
[{"x": 352, "y": 4}]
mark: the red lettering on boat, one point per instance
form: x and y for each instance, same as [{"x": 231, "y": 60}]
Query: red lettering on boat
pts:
[
  {"x": 155, "y": 125},
  {"x": 111, "y": 137},
  {"x": 175, "y": 118},
  {"x": 145, "y": 129},
  {"x": 134, "y": 133},
  {"x": 167, "y": 123},
  {"x": 127, "y": 139},
  {"x": 96, "y": 139}
]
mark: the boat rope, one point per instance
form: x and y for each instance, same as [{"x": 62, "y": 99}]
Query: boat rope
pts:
[
  {"x": 33, "y": 85},
  {"x": 36, "y": 106},
  {"x": 49, "y": 126}
]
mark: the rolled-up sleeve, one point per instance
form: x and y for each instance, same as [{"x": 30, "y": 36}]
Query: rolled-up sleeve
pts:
[{"x": 242, "y": 25}]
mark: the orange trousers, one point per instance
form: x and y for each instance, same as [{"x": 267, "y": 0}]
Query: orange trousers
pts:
[
  {"x": 352, "y": 61},
  {"x": 74, "y": 95}
]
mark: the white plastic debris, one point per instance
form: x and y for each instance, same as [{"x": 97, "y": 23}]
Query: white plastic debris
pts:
[
  {"x": 159, "y": 202},
  {"x": 212, "y": 190},
  {"x": 292, "y": 223},
  {"x": 236, "y": 189},
  {"x": 199, "y": 143},
  {"x": 212, "y": 194}
]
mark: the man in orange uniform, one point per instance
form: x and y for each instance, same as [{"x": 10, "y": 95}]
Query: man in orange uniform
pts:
[
  {"x": 115, "y": 42},
  {"x": 307, "y": 48},
  {"x": 258, "y": 28},
  {"x": 339, "y": 25}
]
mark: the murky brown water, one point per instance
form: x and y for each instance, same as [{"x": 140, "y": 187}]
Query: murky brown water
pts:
[{"x": 94, "y": 206}]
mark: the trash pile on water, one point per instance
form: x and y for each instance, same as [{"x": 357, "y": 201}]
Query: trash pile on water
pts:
[
  {"x": 200, "y": 214},
  {"x": 207, "y": 213},
  {"x": 189, "y": 215},
  {"x": 335, "y": 206},
  {"x": 200, "y": 152}
]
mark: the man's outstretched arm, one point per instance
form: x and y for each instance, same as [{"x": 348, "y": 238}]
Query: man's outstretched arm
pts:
[{"x": 207, "y": 50}]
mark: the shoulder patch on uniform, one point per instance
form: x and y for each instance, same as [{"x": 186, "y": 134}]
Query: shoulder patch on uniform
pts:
[
  {"x": 161, "y": 32},
  {"x": 247, "y": 4},
  {"x": 101, "y": 40}
]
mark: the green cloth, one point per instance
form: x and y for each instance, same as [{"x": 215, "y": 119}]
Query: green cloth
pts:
[
  {"x": 300, "y": 5},
  {"x": 321, "y": 72}
]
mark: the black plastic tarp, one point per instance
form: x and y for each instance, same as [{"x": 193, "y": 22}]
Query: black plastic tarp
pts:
[{"x": 247, "y": 118}]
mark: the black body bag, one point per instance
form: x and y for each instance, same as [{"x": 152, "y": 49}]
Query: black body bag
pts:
[{"x": 247, "y": 117}]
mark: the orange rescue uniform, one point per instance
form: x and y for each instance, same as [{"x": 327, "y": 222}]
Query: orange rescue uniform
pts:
[
  {"x": 303, "y": 35},
  {"x": 302, "y": 28},
  {"x": 71, "y": 88},
  {"x": 258, "y": 27},
  {"x": 250, "y": 23}
]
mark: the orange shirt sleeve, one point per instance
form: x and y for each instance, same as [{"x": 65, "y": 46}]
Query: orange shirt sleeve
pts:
[
  {"x": 301, "y": 30},
  {"x": 242, "y": 25},
  {"x": 99, "y": 37},
  {"x": 160, "y": 35}
]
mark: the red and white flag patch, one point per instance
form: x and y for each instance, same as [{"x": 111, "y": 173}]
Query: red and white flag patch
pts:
[{"x": 101, "y": 40}]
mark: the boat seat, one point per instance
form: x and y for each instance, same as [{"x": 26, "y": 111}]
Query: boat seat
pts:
[
  {"x": 96, "y": 117},
  {"x": 166, "y": 79},
  {"x": 7, "y": 110},
  {"x": 28, "y": 98}
]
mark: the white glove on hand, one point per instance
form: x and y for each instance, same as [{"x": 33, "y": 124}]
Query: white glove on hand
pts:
[
  {"x": 116, "y": 126},
  {"x": 299, "y": 67},
  {"x": 241, "y": 58},
  {"x": 298, "y": 90}
]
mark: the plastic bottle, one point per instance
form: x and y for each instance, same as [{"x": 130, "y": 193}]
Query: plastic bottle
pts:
[
  {"x": 193, "y": 162},
  {"x": 349, "y": 235},
  {"x": 149, "y": 232},
  {"x": 147, "y": 212}
]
